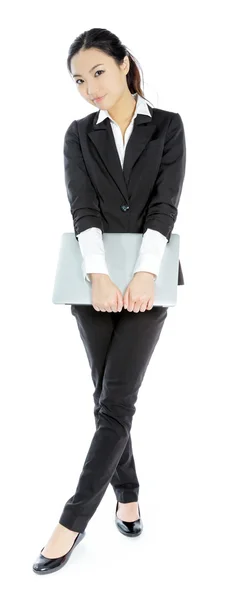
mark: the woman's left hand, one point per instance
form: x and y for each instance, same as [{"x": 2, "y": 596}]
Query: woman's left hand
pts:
[{"x": 139, "y": 295}]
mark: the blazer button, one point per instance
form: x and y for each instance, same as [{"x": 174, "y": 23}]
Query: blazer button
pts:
[{"x": 124, "y": 207}]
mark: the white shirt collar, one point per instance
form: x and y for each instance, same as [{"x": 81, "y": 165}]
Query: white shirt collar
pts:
[{"x": 141, "y": 108}]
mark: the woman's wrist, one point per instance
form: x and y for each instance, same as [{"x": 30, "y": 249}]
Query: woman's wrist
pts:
[
  {"x": 97, "y": 275},
  {"x": 146, "y": 273}
]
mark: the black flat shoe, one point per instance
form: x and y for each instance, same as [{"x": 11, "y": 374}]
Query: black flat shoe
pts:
[
  {"x": 130, "y": 528},
  {"x": 45, "y": 565}
]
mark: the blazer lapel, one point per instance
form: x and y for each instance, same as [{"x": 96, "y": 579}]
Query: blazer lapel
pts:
[{"x": 102, "y": 137}]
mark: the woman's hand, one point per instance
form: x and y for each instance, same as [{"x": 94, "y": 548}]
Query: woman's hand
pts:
[
  {"x": 106, "y": 296},
  {"x": 139, "y": 295}
]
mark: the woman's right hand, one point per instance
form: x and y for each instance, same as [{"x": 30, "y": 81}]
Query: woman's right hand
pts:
[{"x": 106, "y": 296}]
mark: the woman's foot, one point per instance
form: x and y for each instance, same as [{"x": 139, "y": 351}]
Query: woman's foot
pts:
[
  {"x": 60, "y": 542},
  {"x": 128, "y": 512}
]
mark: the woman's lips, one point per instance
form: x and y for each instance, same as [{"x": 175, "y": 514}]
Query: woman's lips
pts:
[{"x": 99, "y": 99}]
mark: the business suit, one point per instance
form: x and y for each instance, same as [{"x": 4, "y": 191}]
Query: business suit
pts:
[{"x": 144, "y": 194}]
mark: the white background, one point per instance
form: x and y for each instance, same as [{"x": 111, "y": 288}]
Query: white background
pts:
[{"x": 47, "y": 423}]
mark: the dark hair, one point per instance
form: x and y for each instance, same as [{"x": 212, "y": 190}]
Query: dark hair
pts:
[{"x": 105, "y": 40}]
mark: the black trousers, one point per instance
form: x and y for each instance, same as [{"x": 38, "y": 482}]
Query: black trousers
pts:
[{"x": 119, "y": 347}]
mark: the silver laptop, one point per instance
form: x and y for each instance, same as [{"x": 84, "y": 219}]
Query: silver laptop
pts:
[{"x": 121, "y": 252}]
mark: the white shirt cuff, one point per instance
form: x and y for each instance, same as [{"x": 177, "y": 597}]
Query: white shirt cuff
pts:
[
  {"x": 151, "y": 252},
  {"x": 93, "y": 252},
  {"x": 95, "y": 263}
]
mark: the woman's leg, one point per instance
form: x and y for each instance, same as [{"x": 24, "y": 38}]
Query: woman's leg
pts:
[
  {"x": 131, "y": 347},
  {"x": 96, "y": 331}
]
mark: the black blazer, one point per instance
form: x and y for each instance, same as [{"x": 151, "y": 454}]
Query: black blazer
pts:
[{"x": 145, "y": 193}]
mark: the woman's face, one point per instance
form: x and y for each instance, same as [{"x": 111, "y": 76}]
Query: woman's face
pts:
[{"x": 106, "y": 79}]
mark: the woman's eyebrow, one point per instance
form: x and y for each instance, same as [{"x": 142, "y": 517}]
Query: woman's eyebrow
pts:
[{"x": 79, "y": 75}]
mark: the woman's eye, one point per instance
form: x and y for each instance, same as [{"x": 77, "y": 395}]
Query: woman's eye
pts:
[{"x": 99, "y": 71}]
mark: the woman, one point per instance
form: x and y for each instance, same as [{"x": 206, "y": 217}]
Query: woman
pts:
[{"x": 124, "y": 171}]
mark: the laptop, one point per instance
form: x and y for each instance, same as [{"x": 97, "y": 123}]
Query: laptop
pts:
[{"x": 121, "y": 252}]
